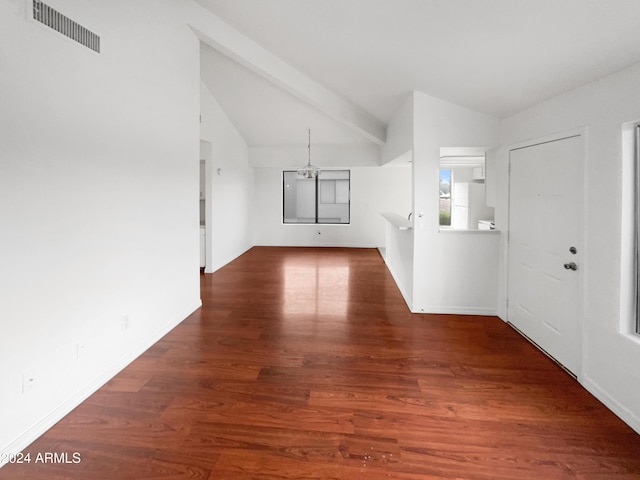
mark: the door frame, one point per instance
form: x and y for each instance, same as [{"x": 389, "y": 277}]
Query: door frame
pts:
[
  {"x": 582, "y": 132},
  {"x": 206, "y": 154}
]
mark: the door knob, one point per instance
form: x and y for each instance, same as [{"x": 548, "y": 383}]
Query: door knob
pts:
[{"x": 571, "y": 266}]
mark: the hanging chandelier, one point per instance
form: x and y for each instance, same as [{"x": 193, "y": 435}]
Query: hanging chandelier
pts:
[{"x": 309, "y": 171}]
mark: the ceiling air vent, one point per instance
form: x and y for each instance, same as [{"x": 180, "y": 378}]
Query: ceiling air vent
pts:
[{"x": 54, "y": 19}]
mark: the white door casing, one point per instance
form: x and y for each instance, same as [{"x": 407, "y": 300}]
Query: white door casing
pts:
[{"x": 545, "y": 213}]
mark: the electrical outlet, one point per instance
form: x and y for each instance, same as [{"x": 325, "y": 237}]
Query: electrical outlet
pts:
[
  {"x": 28, "y": 381},
  {"x": 124, "y": 323}
]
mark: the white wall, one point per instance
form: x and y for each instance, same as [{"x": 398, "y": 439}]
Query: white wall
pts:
[
  {"x": 398, "y": 149},
  {"x": 398, "y": 255},
  {"x": 373, "y": 190},
  {"x": 98, "y": 200},
  {"x": 229, "y": 192},
  {"x": 399, "y": 132},
  {"x": 454, "y": 272},
  {"x": 610, "y": 356},
  {"x": 324, "y": 155}
]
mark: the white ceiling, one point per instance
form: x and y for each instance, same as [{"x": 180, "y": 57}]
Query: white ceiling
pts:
[
  {"x": 494, "y": 56},
  {"x": 263, "y": 112}
]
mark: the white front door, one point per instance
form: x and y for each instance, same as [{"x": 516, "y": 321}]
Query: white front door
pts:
[{"x": 545, "y": 247}]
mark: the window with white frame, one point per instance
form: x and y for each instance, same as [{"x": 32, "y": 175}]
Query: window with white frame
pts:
[{"x": 324, "y": 199}]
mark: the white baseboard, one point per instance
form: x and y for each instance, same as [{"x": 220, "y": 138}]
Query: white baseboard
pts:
[
  {"x": 319, "y": 245},
  {"x": 484, "y": 311},
  {"x": 59, "y": 412},
  {"x": 626, "y": 415}
]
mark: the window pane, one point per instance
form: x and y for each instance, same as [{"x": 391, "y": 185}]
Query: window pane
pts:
[
  {"x": 342, "y": 191},
  {"x": 334, "y": 175},
  {"x": 445, "y": 197},
  {"x": 306, "y": 200},
  {"x": 327, "y": 191},
  {"x": 299, "y": 197},
  {"x": 289, "y": 196},
  {"x": 333, "y": 213},
  {"x": 334, "y": 199}
]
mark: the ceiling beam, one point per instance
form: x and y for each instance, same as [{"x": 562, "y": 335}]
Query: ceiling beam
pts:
[{"x": 219, "y": 35}]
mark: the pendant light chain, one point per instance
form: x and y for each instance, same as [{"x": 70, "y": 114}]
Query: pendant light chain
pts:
[{"x": 309, "y": 171}]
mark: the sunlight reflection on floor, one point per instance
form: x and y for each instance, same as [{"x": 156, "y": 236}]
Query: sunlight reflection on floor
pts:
[{"x": 312, "y": 288}]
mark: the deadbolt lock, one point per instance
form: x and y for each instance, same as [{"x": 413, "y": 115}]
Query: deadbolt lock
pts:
[{"x": 573, "y": 250}]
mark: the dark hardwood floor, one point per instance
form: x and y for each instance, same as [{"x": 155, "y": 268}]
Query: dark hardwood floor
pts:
[{"x": 306, "y": 364}]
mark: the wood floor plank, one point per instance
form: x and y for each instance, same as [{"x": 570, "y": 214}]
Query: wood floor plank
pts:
[
  {"x": 305, "y": 363},
  {"x": 259, "y": 414}
]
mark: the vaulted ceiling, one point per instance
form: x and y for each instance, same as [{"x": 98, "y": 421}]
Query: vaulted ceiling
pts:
[{"x": 494, "y": 56}]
